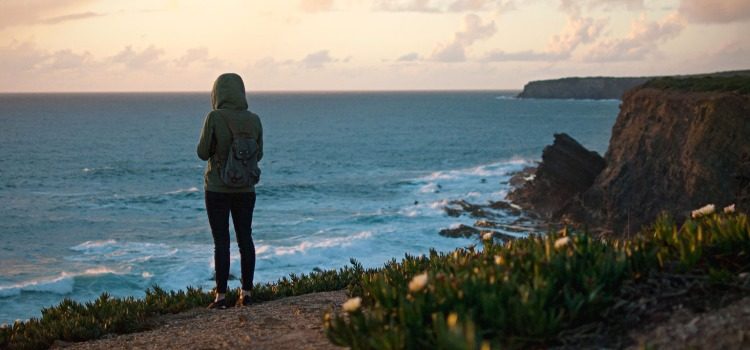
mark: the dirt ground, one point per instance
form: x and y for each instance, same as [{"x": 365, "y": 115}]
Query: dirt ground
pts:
[
  {"x": 296, "y": 323},
  {"x": 290, "y": 323}
]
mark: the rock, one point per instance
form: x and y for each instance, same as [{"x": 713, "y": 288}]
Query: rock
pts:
[
  {"x": 671, "y": 151},
  {"x": 507, "y": 207},
  {"x": 459, "y": 231},
  {"x": 474, "y": 210},
  {"x": 523, "y": 176},
  {"x": 567, "y": 170}
]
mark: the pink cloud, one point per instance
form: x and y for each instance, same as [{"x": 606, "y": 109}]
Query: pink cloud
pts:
[
  {"x": 578, "y": 31},
  {"x": 473, "y": 30},
  {"x": 716, "y": 11},
  {"x": 642, "y": 41},
  {"x": 25, "y": 12}
]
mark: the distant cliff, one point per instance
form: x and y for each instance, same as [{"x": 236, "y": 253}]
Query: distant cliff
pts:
[
  {"x": 677, "y": 144},
  {"x": 597, "y": 88}
]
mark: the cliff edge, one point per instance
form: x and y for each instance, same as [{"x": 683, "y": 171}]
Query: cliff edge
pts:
[
  {"x": 672, "y": 151},
  {"x": 599, "y": 88},
  {"x": 677, "y": 145}
]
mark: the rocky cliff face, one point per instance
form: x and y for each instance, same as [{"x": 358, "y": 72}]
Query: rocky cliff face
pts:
[
  {"x": 567, "y": 170},
  {"x": 580, "y": 88},
  {"x": 672, "y": 152}
]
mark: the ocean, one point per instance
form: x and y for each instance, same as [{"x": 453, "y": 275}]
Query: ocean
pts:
[{"x": 104, "y": 192}]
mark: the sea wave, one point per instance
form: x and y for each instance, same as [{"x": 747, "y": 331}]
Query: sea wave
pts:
[
  {"x": 61, "y": 284},
  {"x": 305, "y": 246},
  {"x": 121, "y": 252}
]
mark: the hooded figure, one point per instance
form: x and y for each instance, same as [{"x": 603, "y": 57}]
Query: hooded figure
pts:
[{"x": 229, "y": 106}]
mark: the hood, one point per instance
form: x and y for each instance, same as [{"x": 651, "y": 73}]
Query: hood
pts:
[{"x": 229, "y": 93}]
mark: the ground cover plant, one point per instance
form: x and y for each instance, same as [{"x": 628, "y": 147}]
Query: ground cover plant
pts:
[
  {"x": 73, "y": 321},
  {"x": 516, "y": 294},
  {"x": 524, "y": 293},
  {"x": 738, "y": 83}
]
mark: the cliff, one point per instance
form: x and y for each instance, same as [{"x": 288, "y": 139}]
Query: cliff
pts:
[
  {"x": 677, "y": 144},
  {"x": 672, "y": 151},
  {"x": 597, "y": 88},
  {"x": 605, "y": 87}
]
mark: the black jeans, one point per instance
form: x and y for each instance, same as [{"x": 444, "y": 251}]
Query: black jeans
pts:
[{"x": 218, "y": 207}]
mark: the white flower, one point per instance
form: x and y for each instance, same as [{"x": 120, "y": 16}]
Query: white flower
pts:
[
  {"x": 562, "y": 242},
  {"x": 705, "y": 210},
  {"x": 452, "y": 319},
  {"x": 418, "y": 282},
  {"x": 499, "y": 260},
  {"x": 729, "y": 209},
  {"x": 486, "y": 236},
  {"x": 352, "y": 304}
]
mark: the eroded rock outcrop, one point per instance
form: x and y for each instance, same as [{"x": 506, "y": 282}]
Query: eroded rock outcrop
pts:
[
  {"x": 567, "y": 170},
  {"x": 671, "y": 151}
]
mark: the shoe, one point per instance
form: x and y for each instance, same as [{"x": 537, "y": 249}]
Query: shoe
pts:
[
  {"x": 243, "y": 301},
  {"x": 218, "y": 305}
]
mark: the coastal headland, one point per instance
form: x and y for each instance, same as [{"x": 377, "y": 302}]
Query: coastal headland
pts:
[{"x": 662, "y": 265}]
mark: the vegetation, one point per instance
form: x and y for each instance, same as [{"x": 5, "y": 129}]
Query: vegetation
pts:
[
  {"x": 517, "y": 294},
  {"x": 73, "y": 321},
  {"x": 524, "y": 293},
  {"x": 737, "y": 83}
]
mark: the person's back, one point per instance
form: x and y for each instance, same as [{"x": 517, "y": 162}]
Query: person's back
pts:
[{"x": 229, "y": 114}]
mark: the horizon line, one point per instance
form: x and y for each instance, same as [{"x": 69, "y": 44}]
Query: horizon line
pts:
[{"x": 257, "y": 91}]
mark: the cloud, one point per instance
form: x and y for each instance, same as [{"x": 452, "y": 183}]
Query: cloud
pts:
[
  {"x": 473, "y": 30},
  {"x": 317, "y": 59},
  {"x": 528, "y": 55},
  {"x": 575, "y": 7},
  {"x": 715, "y": 11},
  {"x": 70, "y": 17},
  {"x": 69, "y": 60},
  {"x": 21, "y": 57},
  {"x": 25, "y": 12},
  {"x": 578, "y": 31},
  {"x": 409, "y": 57},
  {"x": 641, "y": 42},
  {"x": 198, "y": 55},
  {"x": 146, "y": 59},
  {"x": 437, "y": 6},
  {"x": 316, "y": 5}
]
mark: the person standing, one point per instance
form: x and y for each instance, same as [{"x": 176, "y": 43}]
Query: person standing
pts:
[{"x": 230, "y": 130}]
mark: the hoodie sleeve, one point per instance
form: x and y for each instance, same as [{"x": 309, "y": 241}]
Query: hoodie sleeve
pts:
[{"x": 206, "y": 141}]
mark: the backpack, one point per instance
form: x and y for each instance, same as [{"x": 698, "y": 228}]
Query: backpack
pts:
[{"x": 240, "y": 166}]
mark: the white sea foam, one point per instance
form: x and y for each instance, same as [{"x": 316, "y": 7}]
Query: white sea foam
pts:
[
  {"x": 61, "y": 284},
  {"x": 123, "y": 252},
  {"x": 321, "y": 243},
  {"x": 184, "y": 190}
]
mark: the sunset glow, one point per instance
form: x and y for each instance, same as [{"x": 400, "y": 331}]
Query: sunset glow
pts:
[{"x": 102, "y": 45}]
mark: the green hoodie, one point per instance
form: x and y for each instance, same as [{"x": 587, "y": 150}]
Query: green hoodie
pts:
[{"x": 228, "y": 101}]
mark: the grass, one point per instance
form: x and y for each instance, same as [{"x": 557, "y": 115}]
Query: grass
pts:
[
  {"x": 519, "y": 294},
  {"x": 737, "y": 83}
]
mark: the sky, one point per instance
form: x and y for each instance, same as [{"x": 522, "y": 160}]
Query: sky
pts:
[{"x": 332, "y": 45}]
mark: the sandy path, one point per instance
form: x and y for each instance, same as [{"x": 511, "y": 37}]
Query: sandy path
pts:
[{"x": 289, "y": 323}]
